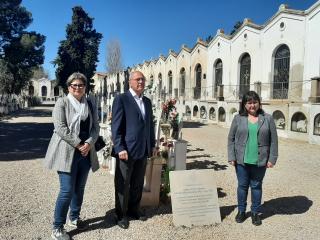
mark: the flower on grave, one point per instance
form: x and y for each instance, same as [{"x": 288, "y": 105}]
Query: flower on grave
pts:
[
  {"x": 164, "y": 150},
  {"x": 169, "y": 112},
  {"x": 165, "y": 147}
]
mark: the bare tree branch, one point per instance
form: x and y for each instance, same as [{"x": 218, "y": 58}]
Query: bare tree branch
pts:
[{"x": 113, "y": 56}]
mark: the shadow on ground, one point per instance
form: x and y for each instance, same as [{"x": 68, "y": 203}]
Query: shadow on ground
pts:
[
  {"x": 192, "y": 124},
  {"x": 286, "y": 206},
  {"x": 221, "y": 194},
  {"x": 278, "y": 206},
  {"x": 195, "y": 150},
  {"x": 199, "y": 156},
  {"x": 109, "y": 220},
  {"x": 24, "y": 141},
  {"x": 226, "y": 211},
  {"x": 101, "y": 222},
  {"x": 206, "y": 164},
  {"x": 28, "y": 113}
]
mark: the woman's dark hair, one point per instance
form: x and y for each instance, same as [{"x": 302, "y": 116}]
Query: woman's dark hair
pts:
[{"x": 249, "y": 96}]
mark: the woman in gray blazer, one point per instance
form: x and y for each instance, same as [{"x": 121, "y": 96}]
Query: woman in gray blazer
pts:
[
  {"x": 71, "y": 153},
  {"x": 252, "y": 147}
]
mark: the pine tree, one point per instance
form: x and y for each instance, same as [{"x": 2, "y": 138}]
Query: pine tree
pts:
[
  {"x": 20, "y": 51},
  {"x": 79, "y": 52}
]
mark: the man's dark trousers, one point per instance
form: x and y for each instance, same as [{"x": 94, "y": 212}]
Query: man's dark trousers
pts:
[{"x": 129, "y": 180}]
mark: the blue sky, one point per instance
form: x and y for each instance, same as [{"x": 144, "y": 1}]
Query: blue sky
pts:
[{"x": 146, "y": 28}]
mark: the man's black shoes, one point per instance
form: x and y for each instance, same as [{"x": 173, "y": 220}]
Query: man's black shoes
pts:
[
  {"x": 137, "y": 215},
  {"x": 256, "y": 220},
  {"x": 123, "y": 223},
  {"x": 241, "y": 216}
]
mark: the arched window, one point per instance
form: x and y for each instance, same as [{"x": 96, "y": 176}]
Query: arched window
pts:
[
  {"x": 105, "y": 88},
  {"x": 118, "y": 85},
  {"x": 212, "y": 114},
  {"x": 197, "y": 89},
  {"x": 195, "y": 111},
  {"x": 160, "y": 85},
  {"x": 151, "y": 81},
  {"x": 281, "y": 72},
  {"x": 170, "y": 82},
  {"x": 31, "y": 90},
  {"x": 316, "y": 129},
  {"x": 112, "y": 88},
  {"x": 56, "y": 91},
  {"x": 279, "y": 119},
  {"x": 299, "y": 122},
  {"x": 43, "y": 91},
  {"x": 245, "y": 68},
  {"x": 188, "y": 111},
  {"x": 222, "y": 114},
  {"x": 126, "y": 80},
  {"x": 182, "y": 84},
  {"x": 217, "y": 76}
]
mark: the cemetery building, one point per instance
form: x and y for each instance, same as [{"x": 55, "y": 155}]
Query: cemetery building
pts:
[
  {"x": 44, "y": 89},
  {"x": 39, "y": 90},
  {"x": 279, "y": 59}
]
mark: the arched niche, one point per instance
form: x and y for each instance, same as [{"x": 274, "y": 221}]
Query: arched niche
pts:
[
  {"x": 203, "y": 112},
  {"x": 221, "y": 114},
  {"x": 299, "y": 122},
  {"x": 212, "y": 114},
  {"x": 279, "y": 119}
]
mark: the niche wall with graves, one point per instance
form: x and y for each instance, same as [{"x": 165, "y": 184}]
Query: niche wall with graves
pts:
[
  {"x": 299, "y": 123},
  {"x": 279, "y": 119}
]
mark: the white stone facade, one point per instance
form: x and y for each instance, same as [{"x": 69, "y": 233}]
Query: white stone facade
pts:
[
  {"x": 44, "y": 89},
  {"x": 279, "y": 59}
]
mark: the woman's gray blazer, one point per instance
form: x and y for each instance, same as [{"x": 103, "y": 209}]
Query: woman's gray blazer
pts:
[
  {"x": 267, "y": 139},
  {"x": 62, "y": 145}
]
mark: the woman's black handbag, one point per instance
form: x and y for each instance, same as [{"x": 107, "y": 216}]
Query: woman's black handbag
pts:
[{"x": 99, "y": 144}]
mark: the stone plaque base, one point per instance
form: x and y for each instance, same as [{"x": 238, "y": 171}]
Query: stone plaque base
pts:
[{"x": 194, "y": 198}]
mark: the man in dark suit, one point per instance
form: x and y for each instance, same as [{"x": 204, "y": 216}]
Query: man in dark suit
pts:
[{"x": 133, "y": 138}]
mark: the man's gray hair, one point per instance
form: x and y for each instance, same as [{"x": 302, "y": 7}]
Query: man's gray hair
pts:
[
  {"x": 133, "y": 72},
  {"x": 77, "y": 75}
]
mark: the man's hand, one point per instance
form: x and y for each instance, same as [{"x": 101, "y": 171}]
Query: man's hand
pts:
[{"x": 123, "y": 155}]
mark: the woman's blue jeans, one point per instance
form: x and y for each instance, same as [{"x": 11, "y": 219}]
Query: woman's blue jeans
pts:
[
  {"x": 72, "y": 187},
  {"x": 249, "y": 175}
]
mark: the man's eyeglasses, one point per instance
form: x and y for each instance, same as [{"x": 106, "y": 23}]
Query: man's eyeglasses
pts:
[
  {"x": 139, "y": 79},
  {"x": 75, "y": 86}
]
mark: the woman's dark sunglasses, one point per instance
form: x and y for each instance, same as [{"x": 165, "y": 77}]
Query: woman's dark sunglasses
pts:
[{"x": 75, "y": 86}]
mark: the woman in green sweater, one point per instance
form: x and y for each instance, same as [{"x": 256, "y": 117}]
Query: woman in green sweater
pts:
[{"x": 252, "y": 147}]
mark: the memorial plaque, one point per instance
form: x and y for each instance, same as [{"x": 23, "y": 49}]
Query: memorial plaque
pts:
[{"x": 194, "y": 198}]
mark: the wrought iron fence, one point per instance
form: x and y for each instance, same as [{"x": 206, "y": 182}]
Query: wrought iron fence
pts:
[{"x": 279, "y": 90}]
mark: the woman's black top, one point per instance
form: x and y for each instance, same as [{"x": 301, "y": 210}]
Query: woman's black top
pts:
[{"x": 84, "y": 130}]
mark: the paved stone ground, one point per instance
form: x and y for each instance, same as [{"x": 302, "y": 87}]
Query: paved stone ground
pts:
[{"x": 28, "y": 191}]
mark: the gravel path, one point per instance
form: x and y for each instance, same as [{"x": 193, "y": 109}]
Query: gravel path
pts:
[{"x": 28, "y": 191}]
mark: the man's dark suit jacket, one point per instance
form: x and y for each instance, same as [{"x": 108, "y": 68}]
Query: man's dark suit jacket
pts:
[{"x": 129, "y": 130}]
